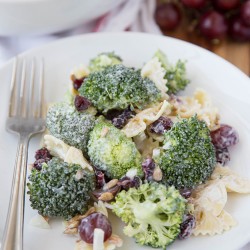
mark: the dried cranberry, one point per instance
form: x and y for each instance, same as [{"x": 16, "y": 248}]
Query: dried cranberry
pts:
[
  {"x": 42, "y": 156},
  {"x": 185, "y": 192},
  {"x": 118, "y": 122},
  {"x": 224, "y": 137},
  {"x": 81, "y": 103},
  {"x": 43, "y": 153},
  {"x": 126, "y": 182},
  {"x": 161, "y": 125},
  {"x": 38, "y": 164},
  {"x": 113, "y": 190},
  {"x": 100, "y": 179},
  {"x": 136, "y": 182},
  {"x": 90, "y": 223},
  {"x": 77, "y": 83},
  {"x": 112, "y": 113},
  {"x": 187, "y": 226},
  {"x": 122, "y": 118},
  {"x": 222, "y": 155},
  {"x": 175, "y": 99},
  {"x": 148, "y": 167}
]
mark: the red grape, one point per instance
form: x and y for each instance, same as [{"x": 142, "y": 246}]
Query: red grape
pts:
[
  {"x": 214, "y": 19},
  {"x": 196, "y": 4},
  {"x": 245, "y": 13},
  {"x": 168, "y": 16},
  {"x": 239, "y": 31},
  {"x": 226, "y": 4},
  {"x": 213, "y": 25},
  {"x": 89, "y": 223}
]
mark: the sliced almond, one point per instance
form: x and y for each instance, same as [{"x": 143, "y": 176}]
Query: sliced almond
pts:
[
  {"x": 115, "y": 240},
  {"x": 73, "y": 224},
  {"x": 107, "y": 196},
  {"x": 157, "y": 174},
  {"x": 71, "y": 231},
  {"x": 110, "y": 184},
  {"x": 81, "y": 216}
]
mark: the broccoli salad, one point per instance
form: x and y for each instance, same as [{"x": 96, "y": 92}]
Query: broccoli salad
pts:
[{"x": 127, "y": 141}]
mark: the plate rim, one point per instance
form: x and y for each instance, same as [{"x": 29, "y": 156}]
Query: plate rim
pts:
[{"x": 92, "y": 34}]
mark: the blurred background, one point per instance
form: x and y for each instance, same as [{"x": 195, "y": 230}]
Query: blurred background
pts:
[{"x": 221, "y": 26}]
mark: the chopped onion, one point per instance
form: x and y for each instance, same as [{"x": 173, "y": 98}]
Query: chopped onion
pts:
[
  {"x": 131, "y": 173},
  {"x": 156, "y": 152},
  {"x": 98, "y": 239}
]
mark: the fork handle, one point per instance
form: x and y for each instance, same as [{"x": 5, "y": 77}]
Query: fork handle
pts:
[{"x": 13, "y": 232}]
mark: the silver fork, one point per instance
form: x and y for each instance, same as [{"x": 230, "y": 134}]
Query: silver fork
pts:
[{"x": 25, "y": 121}]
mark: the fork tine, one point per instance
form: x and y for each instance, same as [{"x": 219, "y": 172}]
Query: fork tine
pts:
[
  {"x": 12, "y": 88},
  {"x": 31, "y": 90},
  {"x": 41, "y": 87},
  {"x": 22, "y": 109}
]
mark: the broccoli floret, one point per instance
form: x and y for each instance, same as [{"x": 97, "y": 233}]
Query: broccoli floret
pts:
[
  {"x": 67, "y": 124},
  {"x": 153, "y": 213},
  {"x": 57, "y": 190},
  {"x": 104, "y": 60},
  {"x": 117, "y": 87},
  {"x": 111, "y": 151},
  {"x": 176, "y": 77},
  {"x": 175, "y": 74},
  {"x": 188, "y": 155}
]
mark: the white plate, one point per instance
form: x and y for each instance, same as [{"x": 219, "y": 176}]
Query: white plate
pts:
[{"x": 229, "y": 88}]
